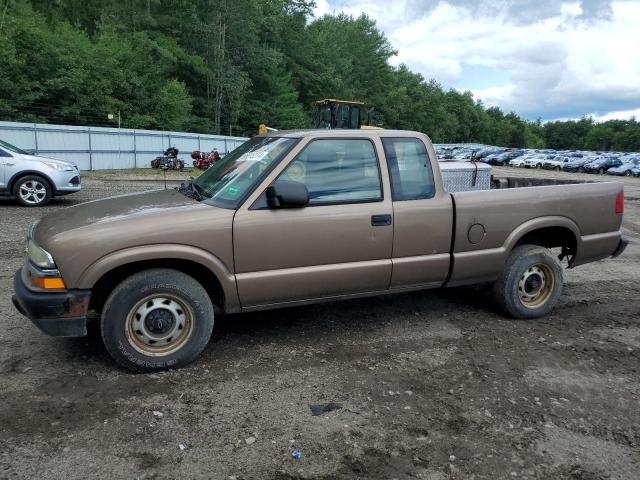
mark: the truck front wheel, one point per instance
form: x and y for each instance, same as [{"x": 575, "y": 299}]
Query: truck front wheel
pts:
[
  {"x": 157, "y": 319},
  {"x": 531, "y": 282}
]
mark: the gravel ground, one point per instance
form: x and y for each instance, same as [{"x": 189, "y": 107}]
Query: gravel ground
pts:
[{"x": 431, "y": 385}]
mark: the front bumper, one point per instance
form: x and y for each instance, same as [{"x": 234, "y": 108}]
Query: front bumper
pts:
[
  {"x": 59, "y": 314},
  {"x": 66, "y": 182}
]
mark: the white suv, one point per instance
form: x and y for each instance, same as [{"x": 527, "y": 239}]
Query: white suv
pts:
[{"x": 34, "y": 180}]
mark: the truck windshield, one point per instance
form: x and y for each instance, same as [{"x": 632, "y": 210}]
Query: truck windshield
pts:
[{"x": 227, "y": 181}]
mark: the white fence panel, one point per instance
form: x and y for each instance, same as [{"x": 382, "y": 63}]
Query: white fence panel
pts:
[{"x": 97, "y": 148}]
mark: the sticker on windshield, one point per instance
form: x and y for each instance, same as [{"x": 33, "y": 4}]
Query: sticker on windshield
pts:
[
  {"x": 233, "y": 191},
  {"x": 254, "y": 156}
]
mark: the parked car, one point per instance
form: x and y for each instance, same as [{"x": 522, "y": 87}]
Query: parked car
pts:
[
  {"x": 518, "y": 161},
  {"x": 625, "y": 169},
  {"x": 576, "y": 164},
  {"x": 534, "y": 161},
  {"x": 33, "y": 180},
  {"x": 528, "y": 159},
  {"x": 602, "y": 165},
  {"x": 555, "y": 162},
  {"x": 291, "y": 218},
  {"x": 504, "y": 158},
  {"x": 485, "y": 152}
]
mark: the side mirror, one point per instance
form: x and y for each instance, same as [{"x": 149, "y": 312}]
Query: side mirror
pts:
[{"x": 287, "y": 194}]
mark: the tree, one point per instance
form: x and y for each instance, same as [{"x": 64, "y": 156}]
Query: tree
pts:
[{"x": 224, "y": 66}]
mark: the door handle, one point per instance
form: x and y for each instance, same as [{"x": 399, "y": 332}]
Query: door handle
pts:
[{"x": 380, "y": 220}]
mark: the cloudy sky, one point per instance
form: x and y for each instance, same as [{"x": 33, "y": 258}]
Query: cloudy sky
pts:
[{"x": 540, "y": 58}]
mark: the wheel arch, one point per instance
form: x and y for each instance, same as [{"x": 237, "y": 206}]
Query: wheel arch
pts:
[
  {"x": 25, "y": 173},
  {"x": 548, "y": 232},
  {"x": 103, "y": 275}
]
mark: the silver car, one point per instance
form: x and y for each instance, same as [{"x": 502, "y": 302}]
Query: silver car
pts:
[{"x": 34, "y": 180}]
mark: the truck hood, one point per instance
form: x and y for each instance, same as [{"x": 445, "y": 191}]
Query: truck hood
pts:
[
  {"x": 110, "y": 210},
  {"x": 80, "y": 235}
]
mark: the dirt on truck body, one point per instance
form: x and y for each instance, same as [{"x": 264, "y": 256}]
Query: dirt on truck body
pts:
[{"x": 301, "y": 217}]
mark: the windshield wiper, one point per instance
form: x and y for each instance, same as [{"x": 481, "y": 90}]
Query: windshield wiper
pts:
[{"x": 192, "y": 190}]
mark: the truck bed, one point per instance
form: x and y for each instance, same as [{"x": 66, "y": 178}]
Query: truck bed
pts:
[{"x": 489, "y": 223}]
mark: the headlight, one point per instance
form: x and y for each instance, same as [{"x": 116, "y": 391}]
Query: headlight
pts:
[
  {"x": 39, "y": 256},
  {"x": 59, "y": 166}
]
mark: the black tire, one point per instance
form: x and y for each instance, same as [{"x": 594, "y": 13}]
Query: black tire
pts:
[
  {"x": 627, "y": 173},
  {"x": 529, "y": 263},
  {"x": 601, "y": 171},
  {"x": 131, "y": 340},
  {"x": 32, "y": 191}
]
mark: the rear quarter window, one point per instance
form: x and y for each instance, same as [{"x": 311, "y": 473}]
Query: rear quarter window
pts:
[{"x": 409, "y": 169}]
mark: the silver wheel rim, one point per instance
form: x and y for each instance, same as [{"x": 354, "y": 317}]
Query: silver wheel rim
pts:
[
  {"x": 159, "y": 325},
  {"x": 32, "y": 192},
  {"x": 536, "y": 285}
]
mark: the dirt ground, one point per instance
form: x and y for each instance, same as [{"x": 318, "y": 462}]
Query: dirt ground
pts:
[{"x": 431, "y": 385}]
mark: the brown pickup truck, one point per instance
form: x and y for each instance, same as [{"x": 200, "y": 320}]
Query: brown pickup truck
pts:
[{"x": 300, "y": 217}]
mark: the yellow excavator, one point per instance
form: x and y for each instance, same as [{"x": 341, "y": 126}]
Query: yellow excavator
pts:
[{"x": 331, "y": 113}]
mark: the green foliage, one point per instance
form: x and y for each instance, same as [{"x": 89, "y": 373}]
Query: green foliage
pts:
[{"x": 225, "y": 66}]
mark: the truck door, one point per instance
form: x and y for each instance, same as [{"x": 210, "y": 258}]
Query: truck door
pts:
[
  {"x": 422, "y": 213},
  {"x": 339, "y": 244}
]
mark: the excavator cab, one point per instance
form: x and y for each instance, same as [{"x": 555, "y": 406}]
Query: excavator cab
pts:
[{"x": 331, "y": 113}]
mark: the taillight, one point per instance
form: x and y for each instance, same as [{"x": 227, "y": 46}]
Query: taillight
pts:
[{"x": 620, "y": 203}]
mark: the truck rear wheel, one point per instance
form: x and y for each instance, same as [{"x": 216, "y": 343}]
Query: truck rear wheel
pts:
[
  {"x": 531, "y": 282},
  {"x": 156, "y": 320}
]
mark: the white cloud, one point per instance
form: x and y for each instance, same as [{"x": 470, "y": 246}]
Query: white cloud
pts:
[
  {"x": 621, "y": 115},
  {"x": 563, "y": 59},
  {"x": 322, "y": 8}
]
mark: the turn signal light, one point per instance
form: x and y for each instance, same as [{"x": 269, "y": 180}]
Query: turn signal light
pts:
[
  {"x": 48, "y": 282},
  {"x": 620, "y": 203}
]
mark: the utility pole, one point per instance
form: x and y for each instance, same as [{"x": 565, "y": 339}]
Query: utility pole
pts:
[
  {"x": 119, "y": 147},
  {"x": 110, "y": 117}
]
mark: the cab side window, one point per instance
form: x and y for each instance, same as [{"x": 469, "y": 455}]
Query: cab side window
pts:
[
  {"x": 409, "y": 169},
  {"x": 337, "y": 171}
]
